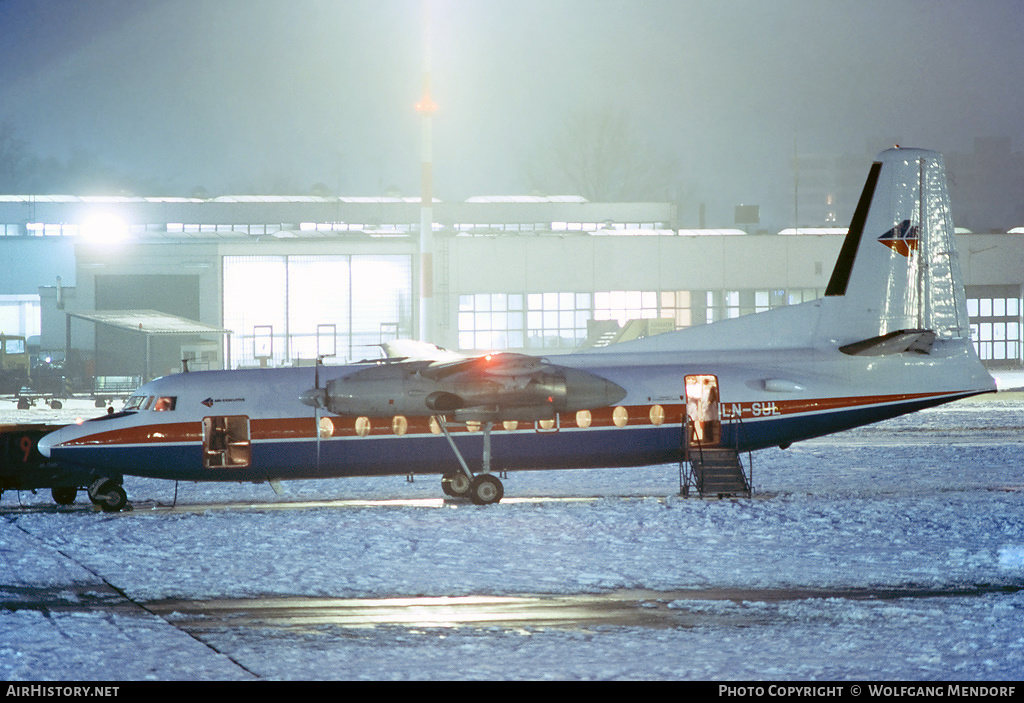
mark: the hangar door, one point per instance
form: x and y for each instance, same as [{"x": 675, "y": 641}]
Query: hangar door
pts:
[{"x": 119, "y": 352}]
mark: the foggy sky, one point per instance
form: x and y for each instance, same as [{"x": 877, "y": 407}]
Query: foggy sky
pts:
[{"x": 234, "y": 95}]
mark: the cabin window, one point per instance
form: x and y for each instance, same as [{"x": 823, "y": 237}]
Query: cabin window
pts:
[
  {"x": 326, "y": 428},
  {"x": 552, "y": 425},
  {"x": 226, "y": 442},
  {"x": 620, "y": 416},
  {"x": 584, "y": 418},
  {"x": 363, "y": 426},
  {"x": 399, "y": 425}
]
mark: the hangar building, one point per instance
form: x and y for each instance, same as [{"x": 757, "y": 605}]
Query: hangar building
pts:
[{"x": 261, "y": 280}]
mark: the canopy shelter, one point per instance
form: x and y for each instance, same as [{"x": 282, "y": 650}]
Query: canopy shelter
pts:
[{"x": 150, "y": 323}]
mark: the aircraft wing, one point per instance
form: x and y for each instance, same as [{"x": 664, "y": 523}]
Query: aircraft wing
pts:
[
  {"x": 415, "y": 350},
  {"x": 502, "y": 386}
]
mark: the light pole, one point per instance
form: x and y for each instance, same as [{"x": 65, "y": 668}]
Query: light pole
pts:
[{"x": 426, "y": 107}]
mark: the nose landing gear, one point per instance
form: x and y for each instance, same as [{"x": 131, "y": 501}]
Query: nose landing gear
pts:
[{"x": 108, "y": 495}]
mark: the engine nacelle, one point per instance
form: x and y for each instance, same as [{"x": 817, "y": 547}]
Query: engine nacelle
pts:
[{"x": 515, "y": 390}]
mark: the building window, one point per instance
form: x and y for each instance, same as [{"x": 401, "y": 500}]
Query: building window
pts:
[
  {"x": 557, "y": 320},
  {"x": 624, "y": 305},
  {"x": 491, "y": 321},
  {"x": 996, "y": 326},
  {"x": 676, "y": 306},
  {"x": 20, "y": 315},
  {"x": 722, "y": 305},
  {"x": 299, "y": 300}
]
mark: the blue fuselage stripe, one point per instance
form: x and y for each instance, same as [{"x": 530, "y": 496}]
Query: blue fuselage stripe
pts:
[{"x": 431, "y": 454}]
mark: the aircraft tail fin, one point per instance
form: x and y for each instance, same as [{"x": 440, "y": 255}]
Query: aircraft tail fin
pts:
[
  {"x": 898, "y": 271},
  {"x": 896, "y": 285}
]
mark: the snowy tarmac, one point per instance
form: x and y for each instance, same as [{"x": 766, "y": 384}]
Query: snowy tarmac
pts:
[{"x": 892, "y": 552}]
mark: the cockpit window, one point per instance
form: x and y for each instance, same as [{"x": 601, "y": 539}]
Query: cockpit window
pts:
[
  {"x": 148, "y": 402},
  {"x": 164, "y": 403},
  {"x": 134, "y": 403}
]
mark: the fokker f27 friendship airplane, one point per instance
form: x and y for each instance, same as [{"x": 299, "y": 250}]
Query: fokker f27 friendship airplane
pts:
[{"x": 891, "y": 336}]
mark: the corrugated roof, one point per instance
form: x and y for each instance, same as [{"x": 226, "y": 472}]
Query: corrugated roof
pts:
[{"x": 151, "y": 322}]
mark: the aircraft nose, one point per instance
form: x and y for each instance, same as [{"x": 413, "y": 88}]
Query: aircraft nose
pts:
[{"x": 47, "y": 442}]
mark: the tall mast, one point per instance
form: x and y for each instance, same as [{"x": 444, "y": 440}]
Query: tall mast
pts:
[{"x": 426, "y": 107}]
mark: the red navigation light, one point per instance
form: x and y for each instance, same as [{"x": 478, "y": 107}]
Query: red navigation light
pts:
[{"x": 426, "y": 105}]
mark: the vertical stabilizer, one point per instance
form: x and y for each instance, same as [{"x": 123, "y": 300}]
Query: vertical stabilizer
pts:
[{"x": 898, "y": 268}]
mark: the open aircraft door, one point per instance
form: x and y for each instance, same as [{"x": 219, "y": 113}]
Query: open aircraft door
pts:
[
  {"x": 703, "y": 410},
  {"x": 226, "y": 443}
]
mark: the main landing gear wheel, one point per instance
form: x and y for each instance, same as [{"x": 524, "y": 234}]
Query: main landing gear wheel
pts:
[
  {"x": 483, "y": 488},
  {"x": 486, "y": 489},
  {"x": 63, "y": 495},
  {"x": 108, "y": 495},
  {"x": 455, "y": 485}
]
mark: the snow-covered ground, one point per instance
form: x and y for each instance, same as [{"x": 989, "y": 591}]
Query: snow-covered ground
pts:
[{"x": 932, "y": 502}]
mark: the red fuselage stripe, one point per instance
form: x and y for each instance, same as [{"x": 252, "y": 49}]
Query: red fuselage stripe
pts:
[{"x": 305, "y": 428}]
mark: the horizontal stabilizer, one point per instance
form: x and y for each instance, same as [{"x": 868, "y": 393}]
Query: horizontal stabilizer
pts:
[{"x": 919, "y": 341}]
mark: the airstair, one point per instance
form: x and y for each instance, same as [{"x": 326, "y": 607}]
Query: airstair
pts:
[
  {"x": 713, "y": 470},
  {"x": 602, "y": 333}
]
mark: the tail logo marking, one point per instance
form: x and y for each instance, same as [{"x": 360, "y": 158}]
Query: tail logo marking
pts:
[{"x": 902, "y": 238}]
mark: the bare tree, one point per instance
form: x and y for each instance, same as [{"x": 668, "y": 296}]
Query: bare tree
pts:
[
  {"x": 14, "y": 159},
  {"x": 596, "y": 154}
]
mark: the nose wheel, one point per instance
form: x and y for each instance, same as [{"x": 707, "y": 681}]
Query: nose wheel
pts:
[
  {"x": 484, "y": 488},
  {"x": 107, "y": 494}
]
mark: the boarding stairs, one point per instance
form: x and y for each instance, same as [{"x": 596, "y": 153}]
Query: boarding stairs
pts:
[
  {"x": 603, "y": 333},
  {"x": 713, "y": 470}
]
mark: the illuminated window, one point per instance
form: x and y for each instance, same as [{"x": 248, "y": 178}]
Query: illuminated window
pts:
[
  {"x": 363, "y": 426},
  {"x": 491, "y": 321},
  {"x": 315, "y": 304},
  {"x": 556, "y": 320},
  {"x": 762, "y": 301},
  {"x": 995, "y": 319},
  {"x": 732, "y": 303},
  {"x": 20, "y": 314},
  {"x": 624, "y": 305},
  {"x": 675, "y": 305},
  {"x": 620, "y": 416}
]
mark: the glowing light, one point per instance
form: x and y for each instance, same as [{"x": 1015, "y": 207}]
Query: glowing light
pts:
[
  {"x": 104, "y": 228},
  {"x": 426, "y": 105}
]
